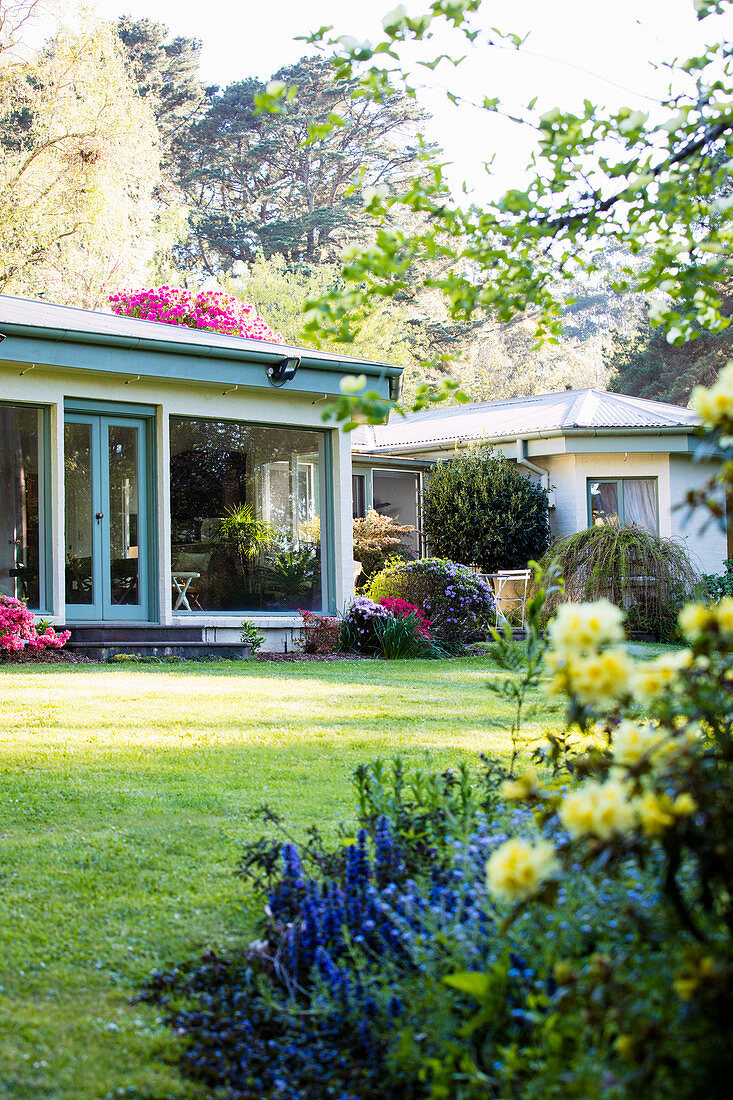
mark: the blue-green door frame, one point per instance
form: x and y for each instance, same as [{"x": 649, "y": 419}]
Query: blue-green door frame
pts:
[{"x": 102, "y": 607}]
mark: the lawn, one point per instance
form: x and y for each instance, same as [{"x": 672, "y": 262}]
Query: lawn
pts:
[{"x": 125, "y": 795}]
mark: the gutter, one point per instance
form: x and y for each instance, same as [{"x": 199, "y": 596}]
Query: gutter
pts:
[
  {"x": 206, "y": 351},
  {"x": 557, "y": 433},
  {"x": 522, "y": 460}
]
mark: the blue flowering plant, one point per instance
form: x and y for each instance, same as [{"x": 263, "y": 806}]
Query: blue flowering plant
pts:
[{"x": 459, "y": 605}]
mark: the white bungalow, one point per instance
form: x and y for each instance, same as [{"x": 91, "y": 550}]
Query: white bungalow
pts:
[
  {"x": 133, "y": 458},
  {"x": 603, "y": 457}
]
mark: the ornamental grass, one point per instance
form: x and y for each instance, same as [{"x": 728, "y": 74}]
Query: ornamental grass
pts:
[{"x": 648, "y": 576}]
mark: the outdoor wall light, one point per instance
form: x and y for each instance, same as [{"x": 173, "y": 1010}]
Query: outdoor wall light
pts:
[{"x": 284, "y": 371}]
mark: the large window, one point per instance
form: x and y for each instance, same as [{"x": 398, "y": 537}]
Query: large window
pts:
[
  {"x": 22, "y": 513},
  {"x": 245, "y": 517},
  {"x": 624, "y": 500}
]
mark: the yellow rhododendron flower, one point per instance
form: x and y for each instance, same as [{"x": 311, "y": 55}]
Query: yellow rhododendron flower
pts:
[
  {"x": 519, "y": 869},
  {"x": 655, "y": 813},
  {"x": 715, "y": 405},
  {"x": 598, "y": 809},
  {"x": 654, "y": 677},
  {"x": 632, "y": 740},
  {"x": 694, "y": 620},
  {"x": 601, "y": 677},
  {"x": 521, "y": 787},
  {"x": 723, "y": 612},
  {"x": 578, "y": 627}
]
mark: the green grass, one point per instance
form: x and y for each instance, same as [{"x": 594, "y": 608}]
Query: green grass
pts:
[{"x": 125, "y": 794}]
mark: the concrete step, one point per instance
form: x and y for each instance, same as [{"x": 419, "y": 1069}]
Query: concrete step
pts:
[
  {"x": 103, "y": 650},
  {"x": 142, "y": 635}
]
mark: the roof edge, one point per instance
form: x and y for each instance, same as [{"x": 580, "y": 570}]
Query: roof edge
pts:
[
  {"x": 441, "y": 445},
  {"x": 268, "y": 354}
]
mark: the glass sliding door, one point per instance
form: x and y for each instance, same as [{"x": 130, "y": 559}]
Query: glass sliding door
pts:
[
  {"x": 106, "y": 517},
  {"x": 23, "y": 553}
]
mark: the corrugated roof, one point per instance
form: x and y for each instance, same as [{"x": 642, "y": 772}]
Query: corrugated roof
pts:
[
  {"x": 46, "y": 315},
  {"x": 566, "y": 410}
]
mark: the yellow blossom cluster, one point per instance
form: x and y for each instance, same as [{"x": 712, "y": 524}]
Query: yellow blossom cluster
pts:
[
  {"x": 599, "y": 809},
  {"x": 594, "y": 678},
  {"x": 519, "y": 869},
  {"x": 633, "y": 740},
  {"x": 715, "y": 405},
  {"x": 579, "y": 627},
  {"x": 652, "y": 678},
  {"x": 697, "y": 619},
  {"x": 658, "y": 811},
  {"x": 521, "y": 787}
]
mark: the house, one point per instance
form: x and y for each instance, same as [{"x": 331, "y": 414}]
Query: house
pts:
[
  {"x": 602, "y": 457},
  {"x": 161, "y": 484}
]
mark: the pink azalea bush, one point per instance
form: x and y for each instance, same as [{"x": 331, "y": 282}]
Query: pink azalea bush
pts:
[
  {"x": 211, "y": 310},
  {"x": 18, "y": 629},
  {"x": 401, "y": 609}
]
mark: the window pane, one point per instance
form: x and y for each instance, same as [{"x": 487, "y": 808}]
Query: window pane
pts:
[
  {"x": 358, "y": 495},
  {"x": 79, "y": 518},
  {"x": 245, "y": 517},
  {"x": 124, "y": 561},
  {"x": 21, "y": 552},
  {"x": 640, "y": 503},
  {"x": 603, "y": 502}
]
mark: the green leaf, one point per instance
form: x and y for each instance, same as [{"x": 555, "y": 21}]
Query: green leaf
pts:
[{"x": 473, "y": 982}]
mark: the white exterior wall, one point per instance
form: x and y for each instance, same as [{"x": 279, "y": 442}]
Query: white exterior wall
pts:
[
  {"x": 706, "y": 540},
  {"x": 49, "y": 387}
]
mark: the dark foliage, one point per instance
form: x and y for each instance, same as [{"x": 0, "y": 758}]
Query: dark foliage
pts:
[
  {"x": 645, "y": 365},
  {"x": 480, "y": 509}
]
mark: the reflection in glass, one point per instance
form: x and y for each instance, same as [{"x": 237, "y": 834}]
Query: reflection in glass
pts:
[
  {"x": 20, "y": 512},
  {"x": 245, "y": 516},
  {"x": 79, "y": 517},
  {"x": 124, "y": 561},
  {"x": 604, "y": 502}
]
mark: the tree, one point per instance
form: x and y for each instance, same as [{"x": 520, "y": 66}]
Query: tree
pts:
[
  {"x": 478, "y": 509},
  {"x": 78, "y": 171},
  {"x": 291, "y": 183},
  {"x": 652, "y": 184},
  {"x": 646, "y": 365},
  {"x": 281, "y": 292}
]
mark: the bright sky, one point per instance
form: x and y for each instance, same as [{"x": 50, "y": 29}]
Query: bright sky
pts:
[{"x": 576, "y": 49}]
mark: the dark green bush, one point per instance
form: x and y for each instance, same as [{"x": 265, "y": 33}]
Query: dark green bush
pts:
[
  {"x": 480, "y": 509},
  {"x": 650, "y": 577}
]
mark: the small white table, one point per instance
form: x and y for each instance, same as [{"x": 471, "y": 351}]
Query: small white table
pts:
[{"x": 182, "y": 581}]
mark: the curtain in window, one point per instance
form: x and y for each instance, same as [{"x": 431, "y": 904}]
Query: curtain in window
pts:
[{"x": 640, "y": 503}]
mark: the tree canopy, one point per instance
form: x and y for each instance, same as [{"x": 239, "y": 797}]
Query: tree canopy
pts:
[
  {"x": 651, "y": 181},
  {"x": 78, "y": 170}
]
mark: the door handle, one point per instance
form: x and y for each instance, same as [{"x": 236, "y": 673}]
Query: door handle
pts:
[{"x": 99, "y": 515}]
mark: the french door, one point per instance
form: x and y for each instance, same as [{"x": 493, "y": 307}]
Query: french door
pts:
[{"x": 106, "y": 536}]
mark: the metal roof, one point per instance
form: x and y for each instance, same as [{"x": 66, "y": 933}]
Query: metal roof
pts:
[
  {"x": 67, "y": 322},
  {"x": 552, "y": 413}
]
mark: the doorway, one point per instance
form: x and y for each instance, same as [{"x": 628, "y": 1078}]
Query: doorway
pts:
[{"x": 106, "y": 517}]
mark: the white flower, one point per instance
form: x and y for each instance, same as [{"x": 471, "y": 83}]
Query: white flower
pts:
[{"x": 351, "y": 383}]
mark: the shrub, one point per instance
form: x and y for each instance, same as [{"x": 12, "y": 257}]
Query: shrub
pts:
[
  {"x": 646, "y": 575},
  {"x": 458, "y": 604},
  {"x": 480, "y": 509},
  {"x": 377, "y": 539},
  {"x": 211, "y": 310},
  {"x": 321, "y": 634},
  {"x": 717, "y": 586},
  {"x": 18, "y": 629},
  {"x": 357, "y": 629},
  {"x": 249, "y": 633}
]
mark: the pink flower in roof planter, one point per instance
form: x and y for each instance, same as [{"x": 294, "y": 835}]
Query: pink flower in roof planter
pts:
[
  {"x": 18, "y": 629},
  {"x": 211, "y": 310}
]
